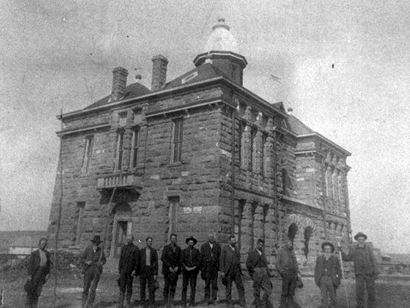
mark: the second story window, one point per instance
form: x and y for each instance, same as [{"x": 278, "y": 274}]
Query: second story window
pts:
[
  {"x": 134, "y": 147},
  {"x": 119, "y": 149},
  {"x": 176, "y": 142},
  {"x": 88, "y": 150}
]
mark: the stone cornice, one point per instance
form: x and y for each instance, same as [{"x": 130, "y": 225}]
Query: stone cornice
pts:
[
  {"x": 328, "y": 141},
  {"x": 266, "y": 107},
  {"x": 83, "y": 129}
]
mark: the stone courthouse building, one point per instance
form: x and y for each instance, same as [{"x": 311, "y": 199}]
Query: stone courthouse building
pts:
[{"x": 196, "y": 154}]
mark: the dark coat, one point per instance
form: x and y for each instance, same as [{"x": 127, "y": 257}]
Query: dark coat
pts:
[
  {"x": 196, "y": 259},
  {"x": 34, "y": 263},
  {"x": 255, "y": 260},
  {"x": 129, "y": 259},
  {"x": 154, "y": 262},
  {"x": 286, "y": 262},
  {"x": 363, "y": 259},
  {"x": 171, "y": 259},
  {"x": 335, "y": 271},
  {"x": 210, "y": 257},
  {"x": 230, "y": 260},
  {"x": 94, "y": 257}
]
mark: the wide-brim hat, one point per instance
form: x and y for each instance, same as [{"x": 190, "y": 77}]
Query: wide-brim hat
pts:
[
  {"x": 96, "y": 239},
  {"x": 191, "y": 238},
  {"x": 360, "y": 234},
  {"x": 328, "y": 244}
]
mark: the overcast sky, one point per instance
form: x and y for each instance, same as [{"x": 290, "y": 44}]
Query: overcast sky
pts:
[{"x": 59, "y": 54}]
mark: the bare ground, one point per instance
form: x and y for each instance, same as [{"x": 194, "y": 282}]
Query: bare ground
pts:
[{"x": 391, "y": 293}]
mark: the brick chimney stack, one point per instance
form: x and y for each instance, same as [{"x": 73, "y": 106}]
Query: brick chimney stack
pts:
[
  {"x": 159, "y": 72},
  {"x": 119, "y": 83}
]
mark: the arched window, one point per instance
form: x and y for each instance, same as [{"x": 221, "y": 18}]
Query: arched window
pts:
[
  {"x": 293, "y": 229},
  {"x": 307, "y": 235}
]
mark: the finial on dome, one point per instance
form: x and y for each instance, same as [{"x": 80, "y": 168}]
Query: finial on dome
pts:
[{"x": 221, "y": 24}]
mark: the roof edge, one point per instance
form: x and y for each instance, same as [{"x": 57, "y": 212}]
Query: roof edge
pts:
[{"x": 316, "y": 134}]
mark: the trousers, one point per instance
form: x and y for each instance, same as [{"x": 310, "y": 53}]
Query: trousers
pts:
[
  {"x": 189, "y": 278},
  {"x": 262, "y": 282},
  {"x": 328, "y": 292},
  {"x": 211, "y": 285},
  {"x": 147, "y": 279},
  {"x": 365, "y": 282},
  {"x": 235, "y": 276},
  {"x": 170, "y": 285},
  {"x": 91, "y": 278},
  {"x": 288, "y": 290},
  {"x": 37, "y": 280}
]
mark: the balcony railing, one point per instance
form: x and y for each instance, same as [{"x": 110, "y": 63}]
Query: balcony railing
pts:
[{"x": 117, "y": 180}]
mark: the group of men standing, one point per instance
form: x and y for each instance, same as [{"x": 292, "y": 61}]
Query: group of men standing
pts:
[{"x": 209, "y": 260}]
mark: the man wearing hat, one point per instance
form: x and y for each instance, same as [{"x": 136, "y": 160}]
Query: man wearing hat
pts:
[
  {"x": 257, "y": 266},
  {"x": 92, "y": 259},
  {"x": 171, "y": 268},
  {"x": 365, "y": 269},
  {"x": 191, "y": 262},
  {"x": 210, "y": 254},
  {"x": 327, "y": 275}
]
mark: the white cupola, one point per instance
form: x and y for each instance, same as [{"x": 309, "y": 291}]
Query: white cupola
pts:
[{"x": 221, "y": 49}]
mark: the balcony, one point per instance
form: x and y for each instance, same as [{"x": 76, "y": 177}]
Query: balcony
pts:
[{"x": 120, "y": 181}]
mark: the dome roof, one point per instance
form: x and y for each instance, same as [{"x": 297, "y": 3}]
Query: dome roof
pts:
[{"x": 221, "y": 39}]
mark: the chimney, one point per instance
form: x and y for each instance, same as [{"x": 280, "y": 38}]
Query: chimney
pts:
[
  {"x": 119, "y": 83},
  {"x": 159, "y": 72}
]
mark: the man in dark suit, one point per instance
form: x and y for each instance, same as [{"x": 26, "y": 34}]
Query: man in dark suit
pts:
[
  {"x": 191, "y": 262},
  {"x": 38, "y": 271},
  {"x": 92, "y": 259},
  {"x": 327, "y": 275},
  {"x": 148, "y": 271},
  {"x": 257, "y": 266},
  {"x": 365, "y": 269},
  {"x": 210, "y": 253},
  {"x": 288, "y": 269},
  {"x": 230, "y": 266},
  {"x": 171, "y": 268},
  {"x": 127, "y": 264}
]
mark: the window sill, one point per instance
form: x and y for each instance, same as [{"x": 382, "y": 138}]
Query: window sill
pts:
[{"x": 175, "y": 164}]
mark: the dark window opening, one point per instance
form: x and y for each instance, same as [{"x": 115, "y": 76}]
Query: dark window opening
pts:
[
  {"x": 176, "y": 145},
  {"x": 135, "y": 146},
  {"x": 88, "y": 150},
  {"x": 293, "y": 229},
  {"x": 119, "y": 149},
  {"x": 307, "y": 235}
]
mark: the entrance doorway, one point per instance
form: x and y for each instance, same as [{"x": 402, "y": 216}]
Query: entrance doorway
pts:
[
  {"x": 121, "y": 236},
  {"x": 122, "y": 226}
]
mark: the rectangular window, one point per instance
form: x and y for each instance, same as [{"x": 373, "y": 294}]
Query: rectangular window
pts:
[
  {"x": 122, "y": 119},
  {"x": 176, "y": 144},
  {"x": 88, "y": 149},
  {"x": 119, "y": 149},
  {"x": 78, "y": 222},
  {"x": 173, "y": 214},
  {"x": 134, "y": 147}
]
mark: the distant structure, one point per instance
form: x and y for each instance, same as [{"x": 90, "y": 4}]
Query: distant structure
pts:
[{"x": 196, "y": 154}]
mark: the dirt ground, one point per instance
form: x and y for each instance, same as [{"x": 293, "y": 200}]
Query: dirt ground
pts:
[{"x": 390, "y": 293}]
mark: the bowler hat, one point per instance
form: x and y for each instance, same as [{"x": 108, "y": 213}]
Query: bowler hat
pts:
[
  {"x": 96, "y": 239},
  {"x": 191, "y": 238},
  {"x": 328, "y": 244},
  {"x": 360, "y": 234}
]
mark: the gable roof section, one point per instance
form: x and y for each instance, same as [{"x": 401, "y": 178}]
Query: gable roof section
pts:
[{"x": 132, "y": 90}]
